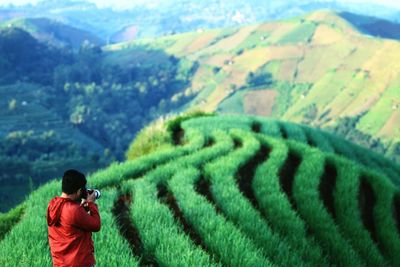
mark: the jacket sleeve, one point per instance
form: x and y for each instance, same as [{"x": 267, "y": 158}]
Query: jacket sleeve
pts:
[{"x": 88, "y": 222}]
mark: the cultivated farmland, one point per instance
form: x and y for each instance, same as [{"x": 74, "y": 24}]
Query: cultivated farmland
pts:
[{"x": 234, "y": 191}]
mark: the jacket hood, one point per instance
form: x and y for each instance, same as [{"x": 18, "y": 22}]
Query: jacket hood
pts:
[{"x": 54, "y": 210}]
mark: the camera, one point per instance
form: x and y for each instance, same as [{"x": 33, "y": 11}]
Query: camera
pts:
[{"x": 86, "y": 192}]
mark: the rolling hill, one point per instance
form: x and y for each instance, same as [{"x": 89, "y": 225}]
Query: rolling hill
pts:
[
  {"x": 53, "y": 32},
  {"x": 316, "y": 69},
  {"x": 142, "y": 19},
  {"x": 233, "y": 191}
]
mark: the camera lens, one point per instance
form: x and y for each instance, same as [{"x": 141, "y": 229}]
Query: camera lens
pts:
[{"x": 96, "y": 192}]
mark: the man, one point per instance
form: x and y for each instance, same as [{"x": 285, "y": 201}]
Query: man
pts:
[{"x": 71, "y": 223}]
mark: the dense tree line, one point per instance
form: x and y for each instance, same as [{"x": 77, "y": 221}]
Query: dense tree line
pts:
[
  {"x": 108, "y": 102},
  {"x": 347, "y": 128}
]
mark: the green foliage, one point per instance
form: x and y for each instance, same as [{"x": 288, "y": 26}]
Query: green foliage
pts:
[
  {"x": 233, "y": 104},
  {"x": 25, "y": 59},
  {"x": 347, "y": 128},
  {"x": 66, "y": 102},
  {"x": 259, "y": 79},
  {"x": 7, "y": 220},
  {"x": 174, "y": 125},
  {"x": 150, "y": 139},
  {"x": 284, "y": 98}
]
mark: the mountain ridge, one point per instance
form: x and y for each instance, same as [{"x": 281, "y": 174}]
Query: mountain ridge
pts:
[
  {"x": 54, "y": 32},
  {"x": 329, "y": 53}
]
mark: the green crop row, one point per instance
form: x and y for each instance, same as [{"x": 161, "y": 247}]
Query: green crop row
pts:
[
  {"x": 7, "y": 220},
  {"x": 146, "y": 210},
  {"x": 111, "y": 249},
  {"x": 163, "y": 240},
  {"x": 30, "y": 235},
  {"x": 387, "y": 233},
  {"x": 37, "y": 203},
  {"x": 274, "y": 203},
  {"x": 239, "y": 210},
  {"x": 119, "y": 172},
  {"x": 308, "y": 203},
  {"x": 320, "y": 139},
  {"x": 27, "y": 244},
  {"x": 348, "y": 215},
  {"x": 220, "y": 236},
  {"x": 305, "y": 205}
]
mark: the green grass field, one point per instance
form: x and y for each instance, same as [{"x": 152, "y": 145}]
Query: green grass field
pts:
[{"x": 232, "y": 191}]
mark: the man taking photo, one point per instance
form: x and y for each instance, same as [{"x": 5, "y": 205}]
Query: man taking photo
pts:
[{"x": 71, "y": 219}]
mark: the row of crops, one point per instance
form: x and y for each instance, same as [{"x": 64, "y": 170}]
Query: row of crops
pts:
[{"x": 235, "y": 191}]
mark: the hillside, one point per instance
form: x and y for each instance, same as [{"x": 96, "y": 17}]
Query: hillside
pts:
[
  {"x": 53, "y": 32},
  {"x": 316, "y": 69},
  {"x": 142, "y": 19},
  {"x": 36, "y": 142},
  {"x": 233, "y": 191},
  {"x": 63, "y": 107}
]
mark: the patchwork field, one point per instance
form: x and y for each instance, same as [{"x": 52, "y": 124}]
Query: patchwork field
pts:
[{"x": 347, "y": 74}]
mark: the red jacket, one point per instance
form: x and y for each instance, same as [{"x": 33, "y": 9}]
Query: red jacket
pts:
[{"x": 70, "y": 229}]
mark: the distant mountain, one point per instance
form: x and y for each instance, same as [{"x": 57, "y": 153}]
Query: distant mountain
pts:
[
  {"x": 25, "y": 59},
  {"x": 54, "y": 33},
  {"x": 317, "y": 69},
  {"x": 373, "y": 26},
  {"x": 168, "y": 17}
]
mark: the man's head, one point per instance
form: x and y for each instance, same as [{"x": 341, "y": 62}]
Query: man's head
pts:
[{"x": 73, "y": 183}]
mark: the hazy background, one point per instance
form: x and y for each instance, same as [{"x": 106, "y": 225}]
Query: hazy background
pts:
[{"x": 121, "y": 4}]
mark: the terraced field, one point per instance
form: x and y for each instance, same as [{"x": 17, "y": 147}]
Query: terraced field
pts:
[
  {"x": 235, "y": 191},
  {"x": 323, "y": 69}
]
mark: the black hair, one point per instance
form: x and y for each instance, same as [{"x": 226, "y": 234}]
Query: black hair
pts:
[{"x": 72, "y": 181}]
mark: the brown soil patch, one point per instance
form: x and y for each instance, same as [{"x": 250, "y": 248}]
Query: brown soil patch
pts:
[
  {"x": 202, "y": 41},
  {"x": 326, "y": 35},
  {"x": 391, "y": 128},
  {"x": 285, "y": 52},
  {"x": 235, "y": 39},
  {"x": 287, "y": 69},
  {"x": 235, "y": 77},
  {"x": 367, "y": 105},
  {"x": 218, "y": 60},
  {"x": 259, "y": 102},
  {"x": 268, "y": 27}
]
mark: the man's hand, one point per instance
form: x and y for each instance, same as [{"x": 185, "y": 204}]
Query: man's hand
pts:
[{"x": 91, "y": 197}]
